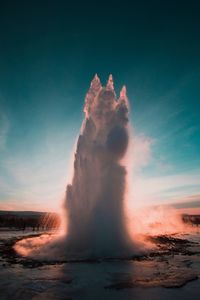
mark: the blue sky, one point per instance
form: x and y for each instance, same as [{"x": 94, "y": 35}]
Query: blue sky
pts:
[{"x": 49, "y": 53}]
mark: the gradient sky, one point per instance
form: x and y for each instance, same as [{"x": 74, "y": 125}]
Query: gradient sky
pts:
[{"x": 49, "y": 52}]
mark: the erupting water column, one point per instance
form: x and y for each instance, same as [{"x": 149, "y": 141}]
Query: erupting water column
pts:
[{"x": 95, "y": 199}]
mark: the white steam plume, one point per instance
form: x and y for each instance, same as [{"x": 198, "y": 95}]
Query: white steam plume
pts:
[{"x": 95, "y": 199}]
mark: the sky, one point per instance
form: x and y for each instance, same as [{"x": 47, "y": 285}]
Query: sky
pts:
[{"x": 50, "y": 51}]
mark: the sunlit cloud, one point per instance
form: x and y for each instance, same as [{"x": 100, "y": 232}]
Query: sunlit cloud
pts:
[
  {"x": 161, "y": 185},
  {"x": 165, "y": 189},
  {"x": 37, "y": 180}
]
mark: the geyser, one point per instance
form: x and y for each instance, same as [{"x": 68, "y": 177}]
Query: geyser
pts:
[
  {"x": 94, "y": 204},
  {"x": 95, "y": 199}
]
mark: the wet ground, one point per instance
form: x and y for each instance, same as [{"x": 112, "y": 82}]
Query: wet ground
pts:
[{"x": 172, "y": 271}]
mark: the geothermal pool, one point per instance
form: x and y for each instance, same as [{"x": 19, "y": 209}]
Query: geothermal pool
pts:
[{"x": 170, "y": 271}]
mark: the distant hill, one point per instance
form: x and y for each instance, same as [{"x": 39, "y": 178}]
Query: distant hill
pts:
[
  {"x": 22, "y": 213},
  {"x": 22, "y": 220}
]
